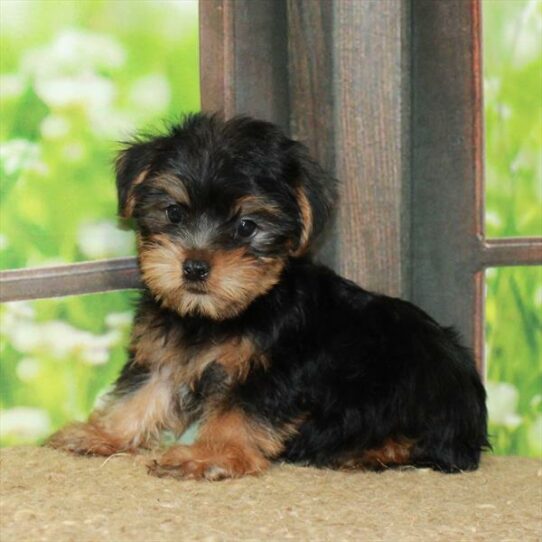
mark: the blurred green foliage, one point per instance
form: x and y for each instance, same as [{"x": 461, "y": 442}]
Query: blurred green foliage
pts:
[
  {"x": 512, "y": 59},
  {"x": 512, "y": 43},
  {"x": 77, "y": 76}
]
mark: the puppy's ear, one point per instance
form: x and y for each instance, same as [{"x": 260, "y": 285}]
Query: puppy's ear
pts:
[
  {"x": 316, "y": 196},
  {"x": 132, "y": 167}
]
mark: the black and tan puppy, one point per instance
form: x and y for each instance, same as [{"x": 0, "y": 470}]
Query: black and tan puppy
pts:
[{"x": 278, "y": 358}]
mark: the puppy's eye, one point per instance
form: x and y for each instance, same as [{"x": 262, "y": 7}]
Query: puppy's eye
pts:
[
  {"x": 174, "y": 213},
  {"x": 246, "y": 228}
]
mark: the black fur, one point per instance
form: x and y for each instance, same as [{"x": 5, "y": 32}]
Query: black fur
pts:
[{"x": 357, "y": 367}]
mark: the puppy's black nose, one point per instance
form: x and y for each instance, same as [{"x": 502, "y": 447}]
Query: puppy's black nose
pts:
[{"x": 195, "y": 269}]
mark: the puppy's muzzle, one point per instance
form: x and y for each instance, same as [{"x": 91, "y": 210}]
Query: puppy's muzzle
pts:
[{"x": 196, "y": 270}]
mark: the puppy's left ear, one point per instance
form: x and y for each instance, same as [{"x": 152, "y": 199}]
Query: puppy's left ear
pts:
[
  {"x": 316, "y": 196},
  {"x": 132, "y": 167}
]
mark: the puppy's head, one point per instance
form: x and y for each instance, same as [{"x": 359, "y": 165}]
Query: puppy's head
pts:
[{"x": 219, "y": 207}]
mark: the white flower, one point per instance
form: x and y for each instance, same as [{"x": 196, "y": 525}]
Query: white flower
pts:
[
  {"x": 96, "y": 350},
  {"x": 62, "y": 341},
  {"x": 492, "y": 87},
  {"x": 54, "y": 127},
  {"x": 11, "y": 86},
  {"x": 502, "y": 402},
  {"x": 111, "y": 124},
  {"x": 505, "y": 111},
  {"x": 88, "y": 90},
  {"x": 74, "y": 51},
  {"x": 19, "y": 154},
  {"x": 104, "y": 240},
  {"x": 13, "y": 314},
  {"x": 24, "y": 423},
  {"x": 24, "y": 336},
  {"x": 73, "y": 152},
  {"x": 119, "y": 320},
  {"x": 151, "y": 94},
  {"x": 28, "y": 369},
  {"x": 523, "y": 34},
  {"x": 21, "y": 309}
]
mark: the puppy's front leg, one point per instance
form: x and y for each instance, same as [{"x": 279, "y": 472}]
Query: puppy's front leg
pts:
[
  {"x": 132, "y": 417},
  {"x": 230, "y": 445}
]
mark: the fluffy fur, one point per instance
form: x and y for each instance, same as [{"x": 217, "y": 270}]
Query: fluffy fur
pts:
[{"x": 278, "y": 358}]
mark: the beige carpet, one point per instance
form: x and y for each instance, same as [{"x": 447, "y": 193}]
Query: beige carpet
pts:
[{"x": 49, "y": 496}]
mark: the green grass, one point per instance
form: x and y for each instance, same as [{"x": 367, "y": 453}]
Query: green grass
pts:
[{"x": 513, "y": 117}]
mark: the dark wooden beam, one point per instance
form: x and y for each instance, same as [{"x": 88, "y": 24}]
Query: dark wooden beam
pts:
[
  {"x": 447, "y": 166},
  {"x": 244, "y": 58},
  {"x": 312, "y": 98},
  {"x": 349, "y": 85}
]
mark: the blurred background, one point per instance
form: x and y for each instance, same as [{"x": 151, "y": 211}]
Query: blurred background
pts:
[{"x": 77, "y": 77}]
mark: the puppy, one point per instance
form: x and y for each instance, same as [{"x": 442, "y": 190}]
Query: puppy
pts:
[{"x": 276, "y": 357}]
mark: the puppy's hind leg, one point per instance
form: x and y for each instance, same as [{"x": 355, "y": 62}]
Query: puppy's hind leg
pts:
[
  {"x": 140, "y": 406},
  {"x": 453, "y": 442}
]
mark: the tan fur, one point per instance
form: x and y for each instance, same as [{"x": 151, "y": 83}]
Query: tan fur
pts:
[
  {"x": 86, "y": 439},
  {"x": 391, "y": 453},
  {"x": 128, "y": 209},
  {"x": 127, "y": 423},
  {"x": 256, "y": 204},
  {"x": 150, "y": 347},
  {"x": 236, "y": 355},
  {"x": 136, "y": 420},
  {"x": 230, "y": 445},
  {"x": 173, "y": 186},
  {"x": 234, "y": 281},
  {"x": 306, "y": 221},
  {"x": 168, "y": 183},
  {"x": 237, "y": 279},
  {"x": 139, "y": 417}
]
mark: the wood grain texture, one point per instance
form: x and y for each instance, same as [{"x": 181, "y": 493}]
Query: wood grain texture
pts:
[
  {"x": 349, "y": 99},
  {"x": 62, "y": 280},
  {"x": 215, "y": 55},
  {"x": 372, "y": 106},
  {"x": 511, "y": 251},
  {"x": 311, "y": 89},
  {"x": 447, "y": 146},
  {"x": 244, "y": 58}
]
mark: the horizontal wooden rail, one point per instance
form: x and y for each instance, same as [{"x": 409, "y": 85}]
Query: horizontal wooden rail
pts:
[
  {"x": 122, "y": 273},
  {"x": 63, "y": 280},
  {"x": 511, "y": 251}
]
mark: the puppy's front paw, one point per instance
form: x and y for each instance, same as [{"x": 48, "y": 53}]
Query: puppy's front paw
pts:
[
  {"x": 202, "y": 463},
  {"x": 84, "y": 439}
]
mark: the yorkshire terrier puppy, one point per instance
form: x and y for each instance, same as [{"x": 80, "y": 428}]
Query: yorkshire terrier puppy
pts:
[{"x": 276, "y": 357}]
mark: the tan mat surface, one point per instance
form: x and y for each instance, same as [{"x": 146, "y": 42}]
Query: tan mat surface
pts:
[{"x": 49, "y": 496}]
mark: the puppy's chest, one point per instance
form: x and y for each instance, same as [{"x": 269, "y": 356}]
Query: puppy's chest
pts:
[{"x": 198, "y": 369}]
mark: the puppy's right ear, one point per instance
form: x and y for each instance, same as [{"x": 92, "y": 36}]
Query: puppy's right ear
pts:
[{"x": 132, "y": 167}]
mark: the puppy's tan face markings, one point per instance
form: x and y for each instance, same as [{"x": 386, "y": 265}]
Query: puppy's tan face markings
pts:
[
  {"x": 236, "y": 278},
  {"x": 306, "y": 220},
  {"x": 128, "y": 209},
  {"x": 173, "y": 186},
  {"x": 237, "y": 238}
]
